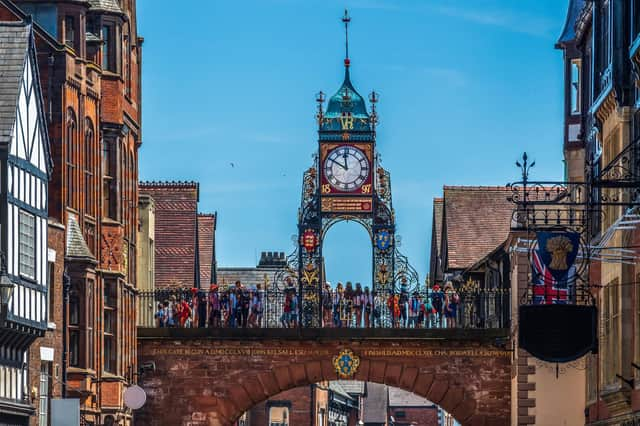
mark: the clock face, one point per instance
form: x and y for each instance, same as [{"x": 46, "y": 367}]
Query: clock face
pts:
[{"x": 346, "y": 168}]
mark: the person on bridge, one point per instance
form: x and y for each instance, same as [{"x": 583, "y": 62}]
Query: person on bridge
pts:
[
  {"x": 451, "y": 301},
  {"x": 358, "y": 302},
  {"x": 214, "y": 306},
  {"x": 367, "y": 298},
  {"x": 337, "y": 305},
  {"x": 414, "y": 310},
  {"x": 393, "y": 304},
  {"x": 255, "y": 315},
  {"x": 404, "y": 308},
  {"x": 378, "y": 306},
  {"x": 245, "y": 305},
  {"x": 348, "y": 305},
  {"x": 327, "y": 305},
  {"x": 437, "y": 300},
  {"x": 202, "y": 310}
]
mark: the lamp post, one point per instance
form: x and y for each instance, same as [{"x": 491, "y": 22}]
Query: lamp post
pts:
[{"x": 6, "y": 289}]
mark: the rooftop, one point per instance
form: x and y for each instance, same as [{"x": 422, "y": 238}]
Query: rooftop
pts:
[{"x": 476, "y": 220}]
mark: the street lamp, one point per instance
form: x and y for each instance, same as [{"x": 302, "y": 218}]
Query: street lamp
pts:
[{"x": 6, "y": 288}]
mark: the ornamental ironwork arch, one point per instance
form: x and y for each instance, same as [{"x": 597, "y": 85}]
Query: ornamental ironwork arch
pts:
[{"x": 346, "y": 182}]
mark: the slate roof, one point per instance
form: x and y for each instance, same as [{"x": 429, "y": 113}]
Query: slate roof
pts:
[
  {"x": 249, "y": 276},
  {"x": 402, "y": 398},
  {"x": 105, "y": 5},
  {"x": 206, "y": 244},
  {"x": 336, "y": 387},
  {"x": 76, "y": 247},
  {"x": 375, "y": 404},
  {"x": 175, "y": 234},
  {"x": 14, "y": 45},
  {"x": 353, "y": 387},
  {"x": 573, "y": 12},
  {"x": 476, "y": 220},
  {"x": 437, "y": 221}
]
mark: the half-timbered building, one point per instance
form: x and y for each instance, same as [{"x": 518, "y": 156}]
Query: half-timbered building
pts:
[
  {"x": 89, "y": 60},
  {"x": 25, "y": 168}
]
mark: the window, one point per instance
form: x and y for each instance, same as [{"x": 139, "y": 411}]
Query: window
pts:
[
  {"x": 278, "y": 416},
  {"x": 575, "y": 86},
  {"x": 90, "y": 324},
  {"x": 89, "y": 161},
  {"x": 110, "y": 326},
  {"x": 43, "y": 409},
  {"x": 603, "y": 45},
  {"x": 51, "y": 296},
  {"x": 74, "y": 328},
  {"x": 108, "y": 49},
  {"x": 70, "y": 157},
  {"x": 109, "y": 182},
  {"x": 69, "y": 31},
  {"x": 27, "y": 245},
  {"x": 611, "y": 333}
]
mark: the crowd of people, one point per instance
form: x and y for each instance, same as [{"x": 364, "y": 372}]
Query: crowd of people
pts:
[
  {"x": 354, "y": 306},
  {"x": 346, "y": 305}
]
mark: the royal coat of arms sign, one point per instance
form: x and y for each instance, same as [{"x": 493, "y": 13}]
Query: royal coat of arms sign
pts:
[{"x": 346, "y": 363}]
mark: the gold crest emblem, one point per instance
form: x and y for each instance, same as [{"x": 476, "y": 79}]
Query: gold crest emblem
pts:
[{"x": 346, "y": 363}]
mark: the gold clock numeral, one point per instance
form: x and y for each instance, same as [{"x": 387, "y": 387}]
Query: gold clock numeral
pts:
[
  {"x": 326, "y": 188},
  {"x": 366, "y": 189}
]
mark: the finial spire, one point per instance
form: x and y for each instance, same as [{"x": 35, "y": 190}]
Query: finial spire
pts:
[{"x": 346, "y": 19}]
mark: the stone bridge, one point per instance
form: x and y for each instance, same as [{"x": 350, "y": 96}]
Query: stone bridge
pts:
[{"x": 211, "y": 376}]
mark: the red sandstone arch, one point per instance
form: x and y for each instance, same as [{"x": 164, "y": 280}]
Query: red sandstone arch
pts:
[
  {"x": 203, "y": 389},
  {"x": 442, "y": 394}
]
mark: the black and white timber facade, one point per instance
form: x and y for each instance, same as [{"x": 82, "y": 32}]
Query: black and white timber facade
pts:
[{"x": 25, "y": 168}]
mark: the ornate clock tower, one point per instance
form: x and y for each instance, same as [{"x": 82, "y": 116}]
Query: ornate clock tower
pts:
[{"x": 347, "y": 183}]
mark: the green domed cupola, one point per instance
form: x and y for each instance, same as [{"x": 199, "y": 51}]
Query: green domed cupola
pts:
[{"x": 346, "y": 110}]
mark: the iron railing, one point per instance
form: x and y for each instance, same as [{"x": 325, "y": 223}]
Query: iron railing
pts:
[{"x": 273, "y": 308}]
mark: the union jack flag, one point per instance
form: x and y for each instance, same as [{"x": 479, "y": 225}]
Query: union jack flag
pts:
[{"x": 546, "y": 289}]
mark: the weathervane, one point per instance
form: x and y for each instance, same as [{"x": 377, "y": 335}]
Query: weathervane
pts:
[
  {"x": 346, "y": 19},
  {"x": 320, "y": 100}
]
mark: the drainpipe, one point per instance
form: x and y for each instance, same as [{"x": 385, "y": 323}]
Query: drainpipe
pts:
[{"x": 66, "y": 287}]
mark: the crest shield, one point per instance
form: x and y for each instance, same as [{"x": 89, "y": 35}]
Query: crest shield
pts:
[{"x": 558, "y": 251}]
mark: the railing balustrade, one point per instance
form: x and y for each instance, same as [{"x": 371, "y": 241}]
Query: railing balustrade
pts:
[{"x": 183, "y": 308}]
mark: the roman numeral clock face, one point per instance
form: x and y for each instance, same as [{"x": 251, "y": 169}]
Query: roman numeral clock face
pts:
[{"x": 346, "y": 168}]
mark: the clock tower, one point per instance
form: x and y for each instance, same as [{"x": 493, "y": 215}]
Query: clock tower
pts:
[{"x": 347, "y": 183}]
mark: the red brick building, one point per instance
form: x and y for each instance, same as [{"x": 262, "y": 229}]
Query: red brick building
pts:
[
  {"x": 89, "y": 60},
  {"x": 184, "y": 239}
]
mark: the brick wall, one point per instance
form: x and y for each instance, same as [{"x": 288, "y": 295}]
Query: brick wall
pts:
[
  {"x": 216, "y": 381},
  {"x": 175, "y": 235},
  {"x": 53, "y": 337},
  {"x": 423, "y": 416}
]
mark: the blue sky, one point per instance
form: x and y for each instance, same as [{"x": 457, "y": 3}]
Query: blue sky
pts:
[{"x": 465, "y": 86}]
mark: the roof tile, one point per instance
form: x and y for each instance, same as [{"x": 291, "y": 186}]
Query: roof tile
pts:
[{"x": 477, "y": 219}]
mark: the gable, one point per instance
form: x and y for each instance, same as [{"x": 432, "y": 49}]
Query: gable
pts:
[{"x": 28, "y": 137}]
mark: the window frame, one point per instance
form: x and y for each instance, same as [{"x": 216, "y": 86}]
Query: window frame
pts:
[
  {"x": 21, "y": 215},
  {"x": 89, "y": 167},
  {"x": 70, "y": 158},
  {"x": 110, "y": 312},
  {"x": 70, "y": 31},
  {"x": 575, "y": 105}
]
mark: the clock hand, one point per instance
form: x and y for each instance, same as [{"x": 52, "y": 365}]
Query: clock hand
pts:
[
  {"x": 334, "y": 161},
  {"x": 346, "y": 166}
]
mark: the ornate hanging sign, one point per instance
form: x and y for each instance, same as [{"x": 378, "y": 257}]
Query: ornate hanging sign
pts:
[
  {"x": 309, "y": 240},
  {"x": 346, "y": 363},
  {"x": 383, "y": 239},
  {"x": 558, "y": 251}
]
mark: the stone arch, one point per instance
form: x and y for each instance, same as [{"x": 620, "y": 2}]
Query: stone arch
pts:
[
  {"x": 437, "y": 388},
  {"x": 211, "y": 382}
]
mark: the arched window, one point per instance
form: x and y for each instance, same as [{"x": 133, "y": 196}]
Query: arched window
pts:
[
  {"x": 70, "y": 142},
  {"x": 89, "y": 167}
]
